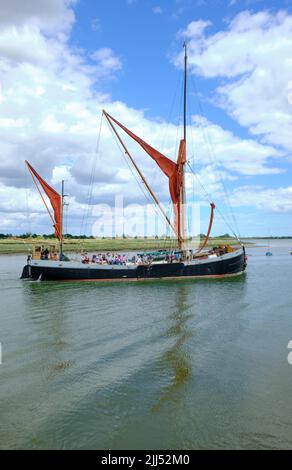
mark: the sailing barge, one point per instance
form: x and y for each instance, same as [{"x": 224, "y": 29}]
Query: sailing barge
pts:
[{"x": 182, "y": 264}]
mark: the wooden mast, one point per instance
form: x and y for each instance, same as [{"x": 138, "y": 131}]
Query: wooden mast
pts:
[
  {"x": 61, "y": 225},
  {"x": 141, "y": 175},
  {"x": 182, "y": 201}
]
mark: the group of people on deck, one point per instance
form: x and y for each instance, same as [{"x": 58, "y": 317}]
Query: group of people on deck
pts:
[
  {"x": 115, "y": 259},
  {"x": 173, "y": 257},
  {"x": 118, "y": 259},
  {"x": 122, "y": 259},
  {"x": 104, "y": 258}
]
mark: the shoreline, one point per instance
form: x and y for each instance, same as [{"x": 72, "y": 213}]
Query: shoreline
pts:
[{"x": 15, "y": 246}]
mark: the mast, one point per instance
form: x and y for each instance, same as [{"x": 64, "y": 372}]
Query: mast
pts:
[
  {"x": 61, "y": 225},
  {"x": 182, "y": 238},
  {"x": 185, "y": 90}
]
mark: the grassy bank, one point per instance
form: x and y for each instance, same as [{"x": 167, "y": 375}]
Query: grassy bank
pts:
[{"x": 20, "y": 245}]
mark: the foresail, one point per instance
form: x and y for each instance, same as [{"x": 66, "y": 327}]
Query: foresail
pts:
[{"x": 54, "y": 197}]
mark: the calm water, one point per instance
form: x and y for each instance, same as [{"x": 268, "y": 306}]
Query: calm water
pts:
[{"x": 189, "y": 364}]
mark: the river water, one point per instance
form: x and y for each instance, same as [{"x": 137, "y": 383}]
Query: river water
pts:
[{"x": 150, "y": 365}]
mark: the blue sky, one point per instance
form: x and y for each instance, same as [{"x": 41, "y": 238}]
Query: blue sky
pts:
[
  {"x": 146, "y": 41},
  {"x": 144, "y": 34},
  {"x": 62, "y": 62}
]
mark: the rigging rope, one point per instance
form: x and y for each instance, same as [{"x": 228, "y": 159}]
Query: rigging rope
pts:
[
  {"x": 178, "y": 85},
  {"x": 86, "y": 215},
  {"x": 210, "y": 201},
  {"x": 212, "y": 155}
]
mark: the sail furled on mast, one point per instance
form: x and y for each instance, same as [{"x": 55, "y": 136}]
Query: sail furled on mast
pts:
[
  {"x": 55, "y": 200},
  {"x": 179, "y": 205},
  {"x": 174, "y": 171}
]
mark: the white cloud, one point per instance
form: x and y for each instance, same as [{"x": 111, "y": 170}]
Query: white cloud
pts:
[
  {"x": 221, "y": 147},
  {"x": 49, "y": 15},
  {"x": 253, "y": 59},
  {"x": 25, "y": 44},
  {"x": 9, "y": 123},
  {"x": 276, "y": 200},
  {"x": 195, "y": 29},
  {"x": 50, "y": 124},
  {"x": 157, "y": 10},
  {"x": 107, "y": 61}
]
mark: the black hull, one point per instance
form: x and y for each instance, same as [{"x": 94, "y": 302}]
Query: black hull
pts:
[{"x": 213, "y": 268}]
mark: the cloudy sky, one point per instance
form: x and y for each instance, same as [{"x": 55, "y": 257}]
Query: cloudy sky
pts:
[{"x": 63, "y": 61}]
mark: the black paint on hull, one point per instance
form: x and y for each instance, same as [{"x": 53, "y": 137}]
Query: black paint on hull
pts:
[{"x": 223, "y": 267}]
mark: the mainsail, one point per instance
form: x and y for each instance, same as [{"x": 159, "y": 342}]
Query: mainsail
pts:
[
  {"x": 55, "y": 200},
  {"x": 174, "y": 171}
]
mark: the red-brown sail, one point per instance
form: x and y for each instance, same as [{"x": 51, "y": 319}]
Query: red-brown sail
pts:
[
  {"x": 181, "y": 159},
  {"x": 174, "y": 171},
  {"x": 209, "y": 228},
  {"x": 55, "y": 200}
]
